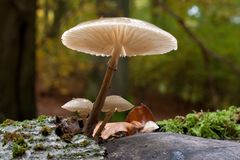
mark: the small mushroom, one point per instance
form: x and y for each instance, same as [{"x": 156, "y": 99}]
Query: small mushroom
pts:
[
  {"x": 150, "y": 126},
  {"x": 116, "y": 37},
  {"x": 116, "y": 102},
  {"x": 80, "y": 105},
  {"x": 112, "y": 104}
]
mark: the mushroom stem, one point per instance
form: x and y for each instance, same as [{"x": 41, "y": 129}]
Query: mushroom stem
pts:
[
  {"x": 98, "y": 104},
  {"x": 104, "y": 122},
  {"x": 84, "y": 118}
]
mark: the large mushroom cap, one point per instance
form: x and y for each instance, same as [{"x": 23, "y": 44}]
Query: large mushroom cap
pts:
[
  {"x": 117, "y": 102},
  {"x": 137, "y": 37},
  {"x": 82, "y": 105}
]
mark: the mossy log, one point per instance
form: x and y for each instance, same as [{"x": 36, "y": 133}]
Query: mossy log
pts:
[{"x": 37, "y": 139}]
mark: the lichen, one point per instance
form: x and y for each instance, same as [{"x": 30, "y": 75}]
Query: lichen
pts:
[
  {"x": 28, "y": 140},
  {"x": 222, "y": 124}
]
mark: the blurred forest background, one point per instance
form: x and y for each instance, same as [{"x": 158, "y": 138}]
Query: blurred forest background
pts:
[{"x": 39, "y": 74}]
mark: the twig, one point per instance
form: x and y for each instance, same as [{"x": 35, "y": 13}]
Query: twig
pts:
[{"x": 104, "y": 122}]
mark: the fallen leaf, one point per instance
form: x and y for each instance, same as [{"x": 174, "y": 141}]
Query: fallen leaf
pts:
[
  {"x": 112, "y": 129},
  {"x": 140, "y": 114}
]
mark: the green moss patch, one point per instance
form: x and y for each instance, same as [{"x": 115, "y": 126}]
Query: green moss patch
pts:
[
  {"x": 222, "y": 124},
  {"x": 7, "y": 122}
]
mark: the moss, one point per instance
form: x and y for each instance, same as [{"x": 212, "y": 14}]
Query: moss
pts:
[
  {"x": 27, "y": 126},
  {"x": 18, "y": 150},
  {"x": 26, "y": 136},
  {"x": 8, "y": 136},
  {"x": 58, "y": 147},
  {"x": 17, "y": 123},
  {"x": 80, "y": 154},
  {"x": 42, "y": 118},
  {"x": 67, "y": 137},
  {"x": 39, "y": 147},
  {"x": 222, "y": 124},
  {"x": 45, "y": 131},
  {"x": 31, "y": 139},
  {"x": 7, "y": 122},
  {"x": 19, "y": 147},
  {"x": 19, "y": 144},
  {"x": 20, "y": 141},
  {"x": 84, "y": 143},
  {"x": 26, "y": 121}
]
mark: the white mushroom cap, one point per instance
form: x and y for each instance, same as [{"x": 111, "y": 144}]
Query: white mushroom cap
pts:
[
  {"x": 116, "y": 102},
  {"x": 81, "y": 105},
  {"x": 98, "y": 37},
  {"x": 150, "y": 126}
]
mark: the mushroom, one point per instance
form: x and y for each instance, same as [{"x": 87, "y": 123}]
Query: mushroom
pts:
[
  {"x": 112, "y": 104},
  {"x": 116, "y": 37},
  {"x": 115, "y": 102},
  {"x": 80, "y": 105}
]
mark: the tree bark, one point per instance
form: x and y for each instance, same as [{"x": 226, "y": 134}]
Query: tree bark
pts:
[{"x": 17, "y": 59}]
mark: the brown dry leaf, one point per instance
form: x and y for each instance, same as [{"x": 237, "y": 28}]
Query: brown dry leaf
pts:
[
  {"x": 112, "y": 128},
  {"x": 141, "y": 114}
]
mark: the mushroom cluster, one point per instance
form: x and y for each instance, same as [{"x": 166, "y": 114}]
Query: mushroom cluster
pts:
[
  {"x": 115, "y": 37},
  {"x": 83, "y": 107}
]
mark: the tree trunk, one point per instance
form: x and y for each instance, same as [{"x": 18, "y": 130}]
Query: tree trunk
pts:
[{"x": 17, "y": 59}]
